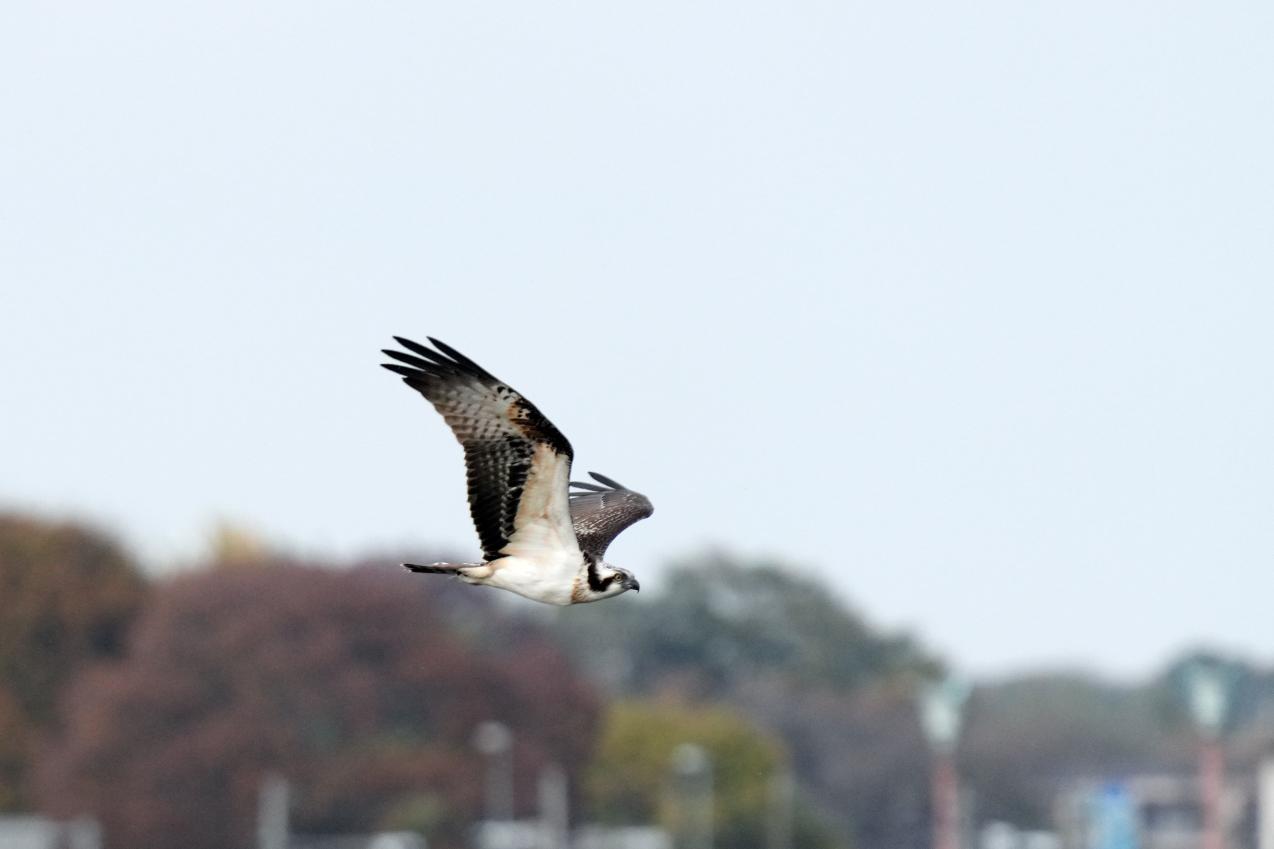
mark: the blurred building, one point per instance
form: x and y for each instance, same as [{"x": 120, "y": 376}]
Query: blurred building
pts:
[
  {"x": 1158, "y": 811},
  {"x": 39, "y": 833},
  {"x": 531, "y": 834},
  {"x": 1001, "y": 835},
  {"x": 632, "y": 837},
  {"x": 383, "y": 840}
]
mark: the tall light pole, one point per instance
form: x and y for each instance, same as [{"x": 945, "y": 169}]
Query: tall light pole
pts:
[
  {"x": 272, "y": 812},
  {"x": 1265, "y": 803},
  {"x": 941, "y": 704},
  {"x": 555, "y": 817},
  {"x": 1209, "y": 690},
  {"x": 779, "y": 818},
  {"x": 495, "y": 741},
  {"x": 693, "y": 794}
]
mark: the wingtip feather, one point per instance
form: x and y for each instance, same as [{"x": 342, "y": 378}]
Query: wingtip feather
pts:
[
  {"x": 602, "y": 479},
  {"x": 459, "y": 358}
]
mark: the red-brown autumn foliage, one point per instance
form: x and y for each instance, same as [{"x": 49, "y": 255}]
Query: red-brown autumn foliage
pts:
[
  {"x": 350, "y": 684},
  {"x": 67, "y": 596}
]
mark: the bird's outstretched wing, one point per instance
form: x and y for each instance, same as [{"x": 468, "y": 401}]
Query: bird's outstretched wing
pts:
[
  {"x": 600, "y": 513},
  {"x": 518, "y": 463}
]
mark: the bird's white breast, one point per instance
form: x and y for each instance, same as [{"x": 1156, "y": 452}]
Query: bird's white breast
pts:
[{"x": 542, "y": 557}]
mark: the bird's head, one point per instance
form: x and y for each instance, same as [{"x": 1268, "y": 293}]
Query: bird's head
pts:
[{"x": 610, "y": 580}]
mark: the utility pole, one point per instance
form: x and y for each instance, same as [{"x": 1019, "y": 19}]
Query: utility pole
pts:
[
  {"x": 780, "y": 815},
  {"x": 1265, "y": 803},
  {"x": 945, "y": 793},
  {"x": 554, "y": 808},
  {"x": 1209, "y": 691},
  {"x": 941, "y": 704},
  {"x": 693, "y": 793},
  {"x": 495, "y": 741},
  {"x": 272, "y": 812}
]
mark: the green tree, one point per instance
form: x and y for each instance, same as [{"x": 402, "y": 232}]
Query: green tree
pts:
[
  {"x": 719, "y": 622},
  {"x": 69, "y": 594},
  {"x": 790, "y": 655},
  {"x": 628, "y": 780}
]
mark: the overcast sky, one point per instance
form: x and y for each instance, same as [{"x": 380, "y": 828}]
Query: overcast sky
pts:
[{"x": 967, "y": 309}]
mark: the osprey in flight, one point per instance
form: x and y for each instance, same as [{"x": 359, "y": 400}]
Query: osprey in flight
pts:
[{"x": 539, "y": 539}]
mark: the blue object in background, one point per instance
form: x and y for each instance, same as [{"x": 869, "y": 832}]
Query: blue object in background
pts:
[{"x": 1114, "y": 818}]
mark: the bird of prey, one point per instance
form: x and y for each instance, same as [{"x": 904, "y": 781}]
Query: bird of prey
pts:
[{"x": 539, "y": 539}]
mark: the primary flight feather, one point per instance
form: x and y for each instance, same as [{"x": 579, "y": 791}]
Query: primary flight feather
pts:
[{"x": 539, "y": 539}]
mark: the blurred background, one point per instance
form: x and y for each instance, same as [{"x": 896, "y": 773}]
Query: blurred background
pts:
[{"x": 938, "y": 335}]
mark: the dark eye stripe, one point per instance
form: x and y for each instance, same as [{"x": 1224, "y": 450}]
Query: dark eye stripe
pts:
[{"x": 595, "y": 582}]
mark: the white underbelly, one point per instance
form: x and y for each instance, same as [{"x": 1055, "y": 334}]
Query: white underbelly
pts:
[{"x": 548, "y": 580}]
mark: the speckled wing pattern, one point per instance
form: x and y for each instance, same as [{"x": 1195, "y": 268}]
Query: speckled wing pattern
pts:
[
  {"x": 601, "y": 513},
  {"x": 498, "y": 428}
]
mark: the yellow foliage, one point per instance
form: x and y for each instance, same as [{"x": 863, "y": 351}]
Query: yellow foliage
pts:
[
  {"x": 630, "y": 779},
  {"x": 234, "y": 546}
]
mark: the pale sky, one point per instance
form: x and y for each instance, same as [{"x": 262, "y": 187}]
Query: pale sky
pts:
[{"x": 968, "y": 309}]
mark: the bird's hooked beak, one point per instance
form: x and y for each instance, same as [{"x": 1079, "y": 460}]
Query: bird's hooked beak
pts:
[{"x": 632, "y": 583}]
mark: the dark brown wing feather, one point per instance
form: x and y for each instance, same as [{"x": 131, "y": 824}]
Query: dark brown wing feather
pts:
[
  {"x": 498, "y": 428},
  {"x": 600, "y": 513}
]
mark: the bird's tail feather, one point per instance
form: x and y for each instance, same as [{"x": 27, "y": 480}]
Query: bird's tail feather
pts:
[{"x": 438, "y": 568}]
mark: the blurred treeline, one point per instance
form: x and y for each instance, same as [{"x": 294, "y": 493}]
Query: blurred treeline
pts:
[{"x": 157, "y": 705}]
